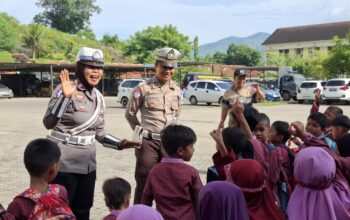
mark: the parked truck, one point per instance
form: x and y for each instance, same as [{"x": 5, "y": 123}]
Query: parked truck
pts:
[{"x": 288, "y": 82}]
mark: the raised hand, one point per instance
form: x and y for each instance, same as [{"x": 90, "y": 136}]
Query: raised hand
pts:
[
  {"x": 67, "y": 87},
  {"x": 317, "y": 94},
  {"x": 217, "y": 135},
  {"x": 297, "y": 129},
  {"x": 238, "y": 108}
]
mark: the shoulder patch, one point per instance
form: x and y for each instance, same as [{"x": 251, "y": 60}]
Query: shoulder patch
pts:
[{"x": 137, "y": 93}]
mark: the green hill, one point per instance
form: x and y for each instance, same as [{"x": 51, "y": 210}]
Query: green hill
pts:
[{"x": 254, "y": 41}]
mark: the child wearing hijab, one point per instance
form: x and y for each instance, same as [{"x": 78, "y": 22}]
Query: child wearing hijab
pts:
[
  {"x": 140, "y": 212},
  {"x": 221, "y": 200},
  {"x": 317, "y": 195},
  {"x": 250, "y": 177},
  {"x": 173, "y": 184}
]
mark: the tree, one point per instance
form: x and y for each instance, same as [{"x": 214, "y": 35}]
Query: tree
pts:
[
  {"x": 8, "y": 33},
  {"x": 195, "y": 48},
  {"x": 68, "y": 16},
  {"x": 112, "y": 41},
  {"x": 338, "y": 63},
  {"x": 242, "y": 55},
  {"x": 86, "y": 33},
  {"x": 219, "y": 57},
  {"x": 144, "y": 42},
  {"x": 32, "y": 37}
]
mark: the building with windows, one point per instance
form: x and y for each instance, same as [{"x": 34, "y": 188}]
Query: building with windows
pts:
[{"x": 305, "y": 40}]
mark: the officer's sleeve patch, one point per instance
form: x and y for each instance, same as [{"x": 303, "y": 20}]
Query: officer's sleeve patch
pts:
[
  {"x": 137, "y": 93},
  {"x": 58, "y": 93}
]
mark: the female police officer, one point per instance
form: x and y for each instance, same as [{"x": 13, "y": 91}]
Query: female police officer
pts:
[{"x": 75, "y": 117}]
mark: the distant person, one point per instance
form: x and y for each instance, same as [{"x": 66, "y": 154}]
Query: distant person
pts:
[
  {"x": 239, "y": 92},
  {"x": 117, "y": 193},
  {"x": 173, "y": 184},
  {"x": 221, "y": 200},
  {"x": 75, "y": 119},
  {"x": 41, "y": 199}
]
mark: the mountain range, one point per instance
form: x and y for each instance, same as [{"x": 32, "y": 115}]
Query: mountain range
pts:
[{"x": 254, "y": 41}]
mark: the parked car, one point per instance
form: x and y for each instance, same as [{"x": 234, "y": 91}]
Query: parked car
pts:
[
  {"x": 271, "y": 94},
  {"x": 306, "y": 90},
  {"x": 5, "y": 92},
  {"x": 336, "y": 90},
  {"x": 125, "y": 88},
  {"x": 207, "y": 91}
]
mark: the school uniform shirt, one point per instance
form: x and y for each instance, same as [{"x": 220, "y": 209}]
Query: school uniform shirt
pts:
[
  {"x": 174, "y": 186},
  {"x": 220, "y": 162},
  {"x": 113, "y": 215},
  {"x": 21, "y": 207},
  {"x": 77, "y": 158}
]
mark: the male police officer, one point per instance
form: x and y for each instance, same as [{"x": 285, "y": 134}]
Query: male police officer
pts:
[
  {"x": 158, "y": 100},
  {"x": 238, "y": 92}
]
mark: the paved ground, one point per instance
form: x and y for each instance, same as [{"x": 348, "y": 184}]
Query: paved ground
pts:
[{"x": 21, "y": 121}]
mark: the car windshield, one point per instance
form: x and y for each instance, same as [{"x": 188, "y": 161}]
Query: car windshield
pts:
[
  {"x": 336, "y": 83},
  {"x": 224, "y": 85}
]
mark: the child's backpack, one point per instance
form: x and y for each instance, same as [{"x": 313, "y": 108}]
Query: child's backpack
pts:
[
  {"x": 285, "y": 185},
  {"x": 48, "y": 205}
]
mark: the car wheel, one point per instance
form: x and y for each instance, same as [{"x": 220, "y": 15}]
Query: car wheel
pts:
[
  {"x": 193, "y": 100},
  {"x": 300, "y": 101},
  {"x": 124, "y": 102},
  {"x": 208, "y": 103},
  {"x": 286, "y": 96},
  {"x": 220, "y": 100}
]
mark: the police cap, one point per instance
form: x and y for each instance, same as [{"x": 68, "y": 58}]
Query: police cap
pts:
[
  {"x": 239, "y": 73},
  {"x": 90, "y": 56},
  {"x": 167, "y": 56}
]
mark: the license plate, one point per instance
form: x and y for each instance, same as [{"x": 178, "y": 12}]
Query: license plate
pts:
[{"x": 332, "y": 90}]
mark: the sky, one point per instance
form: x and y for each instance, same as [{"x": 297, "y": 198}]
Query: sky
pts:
[{"x": 210, "y": 20}]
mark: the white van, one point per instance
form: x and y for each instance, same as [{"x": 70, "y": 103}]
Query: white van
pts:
[
  {"x": 125, "y": 88},
  {"x": 207, "y": 91},
  {"x": 306, "y": 90}
]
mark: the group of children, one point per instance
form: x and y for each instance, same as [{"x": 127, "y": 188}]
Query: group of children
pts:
[{"x": 256, "y": 175}]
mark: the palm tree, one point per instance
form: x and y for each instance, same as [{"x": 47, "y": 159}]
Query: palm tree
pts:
[{"x": 32, "y": 37}]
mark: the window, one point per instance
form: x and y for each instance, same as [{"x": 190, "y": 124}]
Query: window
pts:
[
  {"x": 336, "y": 83},
  {"x": 308, "y": 85},
  {"x": 201, "y": 85},
  {"x": 284, "y": 51},
  {"x": 329, "y": 48},
  {"x": 224, "y": 85},
  {"x": 212, "y": 86},
  {"x": 310, "y": 52},
  {"x": 193, "y": 85},
  {"x": 126, "y": 84},
  {"x": 288, "y": 79},
  {"x": 299, "y": 51},
  {"x": 134, "y": 83}
]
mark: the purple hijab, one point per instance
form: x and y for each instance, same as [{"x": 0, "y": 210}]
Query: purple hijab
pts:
[
  {"x": 318, "y": 195},
  {"x": 221, "y": 200},
  {"x": 140, "y": 212}
]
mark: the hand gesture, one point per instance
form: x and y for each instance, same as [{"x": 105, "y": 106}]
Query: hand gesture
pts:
[
  {"x": 217, "y": 135},
  {"x": 256, "y": 86},
  {"x": 297, "y": 129},
  {"x": 67, "y": 88},
  {"x": 295, "y": 140},
  {"x": 125, "y": 144},
  {"x": 221, "y": 125}
]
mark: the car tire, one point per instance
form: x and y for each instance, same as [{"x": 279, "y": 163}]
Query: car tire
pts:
[
  {"x": 124, "y": 102},
  {"x": 220, "y": 100},
  {"x": 286, "y": 96},
  {"x": 208, "y": 103},
  {"x": 300, "y": 101},
  {"x": 193, "y": 100}
]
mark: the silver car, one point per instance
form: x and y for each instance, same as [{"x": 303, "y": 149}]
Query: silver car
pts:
[{"x": 5, "y": 92}]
